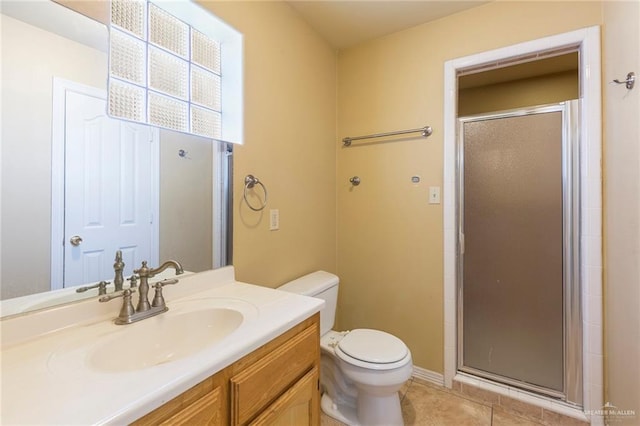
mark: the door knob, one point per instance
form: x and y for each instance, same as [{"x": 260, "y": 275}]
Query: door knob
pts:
[{"x": 76, "y": 240}]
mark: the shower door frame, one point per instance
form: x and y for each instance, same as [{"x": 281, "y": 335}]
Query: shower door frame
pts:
[{"x": 572, "y": 313}]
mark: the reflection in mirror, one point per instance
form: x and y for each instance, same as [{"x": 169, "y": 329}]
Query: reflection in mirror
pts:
[{"x": 49, "y": 49}]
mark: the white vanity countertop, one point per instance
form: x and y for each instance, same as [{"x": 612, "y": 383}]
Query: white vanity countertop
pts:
[{"x": 47, "y": 379}]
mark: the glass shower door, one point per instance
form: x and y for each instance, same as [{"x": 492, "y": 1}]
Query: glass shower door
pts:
[{"x": 514, "y": 253}]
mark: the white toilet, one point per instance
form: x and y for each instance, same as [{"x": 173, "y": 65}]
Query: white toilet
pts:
[{"x": 362, "y": 370}]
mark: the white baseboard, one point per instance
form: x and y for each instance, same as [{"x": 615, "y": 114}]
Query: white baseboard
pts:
[{"x": 428, "y": 375}]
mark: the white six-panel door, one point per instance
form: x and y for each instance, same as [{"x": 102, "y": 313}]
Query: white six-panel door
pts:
[{"x": 109, "y": 191}]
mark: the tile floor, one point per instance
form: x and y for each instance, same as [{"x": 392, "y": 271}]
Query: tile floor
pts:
[{"x": 425, "y": 404}]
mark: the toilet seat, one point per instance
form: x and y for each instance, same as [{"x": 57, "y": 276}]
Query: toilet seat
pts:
[{"x": 372, "y": 349}]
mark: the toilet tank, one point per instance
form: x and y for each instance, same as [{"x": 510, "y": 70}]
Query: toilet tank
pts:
[{"x": 322, "y": 285}]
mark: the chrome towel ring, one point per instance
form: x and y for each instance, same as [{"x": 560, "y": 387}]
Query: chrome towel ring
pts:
[{"x": 249, "y": 182}]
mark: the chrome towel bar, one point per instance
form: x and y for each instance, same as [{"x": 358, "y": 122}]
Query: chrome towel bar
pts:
[{"x": 426, "y": 131}]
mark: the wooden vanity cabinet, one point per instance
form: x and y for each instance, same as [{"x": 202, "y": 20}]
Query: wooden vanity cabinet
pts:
[{"x": 277, "y": 384}]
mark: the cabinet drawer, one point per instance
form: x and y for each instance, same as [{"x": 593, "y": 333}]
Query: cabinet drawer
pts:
[
  {"x": 260, "y": 384},
  {"x": 205, "y": 411},
  {"x": 203, "y": 402}
]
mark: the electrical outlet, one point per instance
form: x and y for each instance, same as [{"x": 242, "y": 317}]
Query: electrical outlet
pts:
[{"x": 274, "y": 219}]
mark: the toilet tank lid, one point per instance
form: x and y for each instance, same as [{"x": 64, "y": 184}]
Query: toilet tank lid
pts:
[{"x": 311, "y": 284}]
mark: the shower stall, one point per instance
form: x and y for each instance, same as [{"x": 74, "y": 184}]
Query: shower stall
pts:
[{"x": 519, "y": 318}]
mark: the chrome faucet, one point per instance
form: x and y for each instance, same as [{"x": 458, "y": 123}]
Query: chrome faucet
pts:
[{"x": 144, "y": 309}]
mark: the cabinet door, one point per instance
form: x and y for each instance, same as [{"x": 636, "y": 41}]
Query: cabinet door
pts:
[
  {"x": 255, "y": 387},
  {"x": 205, "y": 411},
  {"x": 297, "y": 406}
]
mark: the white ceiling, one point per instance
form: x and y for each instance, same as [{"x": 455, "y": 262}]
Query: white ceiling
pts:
[{"x": 347, "y": 23}]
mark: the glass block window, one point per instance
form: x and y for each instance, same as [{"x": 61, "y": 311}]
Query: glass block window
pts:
[
  {"x": 168, "y": 32},
  {"x": 127, "y": 101},
  {"x": 162, "y": 71},
  {"x": 130, "y": 15},
  {"x": 168, "y": 74},
  {"x": 205, "y": 52},
  {"x": 128, "y": 58}
]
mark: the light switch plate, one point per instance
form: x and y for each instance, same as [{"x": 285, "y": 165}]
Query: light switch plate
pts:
[
  {"x": 434, "y": 195},
  {"x": 274, "y": 219}
]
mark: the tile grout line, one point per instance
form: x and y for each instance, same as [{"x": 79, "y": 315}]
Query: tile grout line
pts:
[
  {"x": 406, "y": 390},
  {"x": 491, "y": 408}
]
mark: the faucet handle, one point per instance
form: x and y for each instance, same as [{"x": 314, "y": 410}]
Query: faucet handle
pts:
[
  {"x": 134, "y": 281},
  {"x": 125, "y": 293},
  {"x": 101, "y": 286},
  {"x": 158, "y": 298},
  {"x": 127, "y": 309}
]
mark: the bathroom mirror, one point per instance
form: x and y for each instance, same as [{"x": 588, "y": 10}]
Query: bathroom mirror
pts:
[{"x": 43, "y": 44}]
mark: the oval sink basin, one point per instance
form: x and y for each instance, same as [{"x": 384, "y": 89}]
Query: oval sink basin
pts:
[{"x": 163, "y": 339}]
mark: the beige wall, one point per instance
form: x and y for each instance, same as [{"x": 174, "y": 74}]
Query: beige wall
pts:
[
  {"x": 543, "y": 90},
  {"x": 621, "y": 43},
  {"x": 389, "y": 237},
  {"x": 186, "y": 193},
  {"x": 290, "y": 114}
]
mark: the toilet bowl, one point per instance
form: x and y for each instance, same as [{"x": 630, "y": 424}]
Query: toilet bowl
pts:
[{"x": 361, "y": 370}]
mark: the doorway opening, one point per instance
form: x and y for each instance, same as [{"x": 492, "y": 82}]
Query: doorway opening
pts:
[{"x": 586, "y": 43}]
